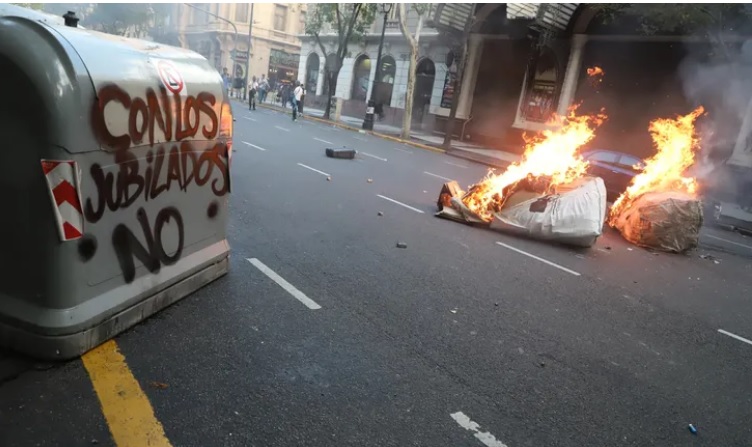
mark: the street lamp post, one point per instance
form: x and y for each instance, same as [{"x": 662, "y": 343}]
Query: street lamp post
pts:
[
  {"x": 368, "y": 121},
  {"x": 248, "y": 58}
]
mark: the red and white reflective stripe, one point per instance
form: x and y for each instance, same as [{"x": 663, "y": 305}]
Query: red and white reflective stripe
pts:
[{"x": 64, "y": 181}]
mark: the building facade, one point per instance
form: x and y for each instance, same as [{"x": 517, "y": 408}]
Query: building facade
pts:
[
  {"x": 357, "y": 77},
  {"x": 274, "y": 42}
]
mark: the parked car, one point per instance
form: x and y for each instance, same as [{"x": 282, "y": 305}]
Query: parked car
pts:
[{"x": 615, "y": 168}]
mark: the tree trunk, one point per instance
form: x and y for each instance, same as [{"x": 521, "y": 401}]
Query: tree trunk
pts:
[
  {"x": 333, "y": 75},
  {"x": 407, "y": 116}
]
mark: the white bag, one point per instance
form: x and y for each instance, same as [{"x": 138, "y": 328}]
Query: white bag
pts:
[{"x": 574, "y": 215}]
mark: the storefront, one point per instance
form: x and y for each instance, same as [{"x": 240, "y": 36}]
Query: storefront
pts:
[{"x": 283, "y": 67}]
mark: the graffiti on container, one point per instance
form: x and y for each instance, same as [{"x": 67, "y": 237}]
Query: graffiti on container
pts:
[
  {"x": 131, "y": 182},
  {"x": 166, "y": 124},
  {"x": 153, "y": 255}
]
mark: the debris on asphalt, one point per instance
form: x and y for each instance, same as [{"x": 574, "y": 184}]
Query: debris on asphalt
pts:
[
  {"x": 665, "y": 221},
  {"x": 401, "y": 245},
  {"x": 608, "y": 247},
  {"x": 159, "y": 385},
  {"x": 95, "y": 441},
  {"x": 454, "y": 311},
  {"x": 380, "y": 213},
  {"x": 692, "y": 429},
  {"x": 329, "y": 178},
  {"x": 448, "y": 191},
  {"x": 370, "y": 180},
  {"x": 630, "y": 248},
  {"x": 347, "y": 154},
  {"x": 710, "y": 258}
]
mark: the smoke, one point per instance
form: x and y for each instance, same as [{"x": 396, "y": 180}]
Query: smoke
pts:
[{"x": 720, "y": 81}]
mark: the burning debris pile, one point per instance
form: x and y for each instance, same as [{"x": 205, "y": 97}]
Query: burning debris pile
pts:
[
  {"x": 660, "y": 208},
  {"x": 546, "y": 195}
]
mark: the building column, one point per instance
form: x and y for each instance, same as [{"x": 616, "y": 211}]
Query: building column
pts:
[
  {"x": 320, "y": 80},
  {"x": 474, "y": 48},
  {"x": 371, "y": 77},
  {"x": 572, "y": 75}
]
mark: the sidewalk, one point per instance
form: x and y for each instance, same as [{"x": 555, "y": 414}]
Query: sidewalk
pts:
[{"x": 491, "y": 157}]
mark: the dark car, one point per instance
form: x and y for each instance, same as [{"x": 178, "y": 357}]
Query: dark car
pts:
[{"x": 615, "y": 168}]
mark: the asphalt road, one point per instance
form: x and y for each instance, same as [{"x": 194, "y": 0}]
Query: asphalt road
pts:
[{"x": 455, "y": 340}]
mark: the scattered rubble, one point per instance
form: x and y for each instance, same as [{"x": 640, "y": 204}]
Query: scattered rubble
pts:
[
  {"x": 380, "y": 213},
  {"x": 401, "y": 245},
  {"x": 710, "y": 258}
]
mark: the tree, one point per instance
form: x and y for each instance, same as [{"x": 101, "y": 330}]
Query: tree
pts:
[
  {"x": 412, "y": 41},
  {"x": 714, "y": 21},
  {"x": 348, "y": 23}
]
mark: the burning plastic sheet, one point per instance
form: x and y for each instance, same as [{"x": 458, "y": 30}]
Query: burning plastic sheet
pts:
[
  {"x": 667, "y": 221},
  {"x": 546, "y": 195},
  {"x": 572, "y": 214}
]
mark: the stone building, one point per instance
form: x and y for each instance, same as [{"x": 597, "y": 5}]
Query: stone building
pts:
[
  {"x": 358, "y": 71},
  {"x": 275, "y": 40}
]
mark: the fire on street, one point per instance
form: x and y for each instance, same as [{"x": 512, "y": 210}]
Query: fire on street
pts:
[{"x": 462, "y": 336}]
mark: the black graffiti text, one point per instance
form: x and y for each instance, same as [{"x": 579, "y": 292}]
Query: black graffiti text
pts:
[{"x": 152, "y": 255}]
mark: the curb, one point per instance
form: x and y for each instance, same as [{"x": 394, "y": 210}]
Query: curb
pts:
[
  {"x": 477, "y": 158},
  {"x": 355, "y": 129}
]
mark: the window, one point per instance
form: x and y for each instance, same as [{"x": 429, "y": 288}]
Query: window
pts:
[
  {"x": 280, "y": 17},
  {"x": 605, "y": 157},
  {"x": 303, "y": 18},
  {"x": 630, "y": 162},
  {"x": 241, "y": 12}
]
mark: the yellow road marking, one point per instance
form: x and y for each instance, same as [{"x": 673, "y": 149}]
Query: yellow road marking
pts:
[{"x": 125, "y": 406}]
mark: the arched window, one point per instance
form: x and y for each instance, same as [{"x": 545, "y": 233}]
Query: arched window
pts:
[
  {"x": 424, "y": 80},
  {"x": 361, "y": 75},
  {"x": 312, "y": 73},
  {"x": 542, "y": 88}
]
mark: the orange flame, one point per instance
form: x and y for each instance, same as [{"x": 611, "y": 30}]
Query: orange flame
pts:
[
  {"x": 676, "y": 142},
  {"x": 595, "y": 75},
  {"x": 553, "y": 153}
]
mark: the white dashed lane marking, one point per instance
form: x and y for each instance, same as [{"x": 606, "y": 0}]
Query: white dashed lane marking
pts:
[{"x": 297, "y": 294}]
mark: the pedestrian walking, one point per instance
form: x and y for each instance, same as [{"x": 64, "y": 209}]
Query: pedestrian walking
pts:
[
  {"x": 302, "y": 100},
  {"x": 297, "y": 95},
  {"x": 252, "y": 89}
]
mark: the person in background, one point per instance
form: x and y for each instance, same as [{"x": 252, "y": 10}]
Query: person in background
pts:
[
  {"x": 252, "y": 89},
  {"x": 263, "y": 88},
  {"x": 297, "y": 95},
  {"x": 302, "y": 99},
  {"x": 226, "y": 80}
]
